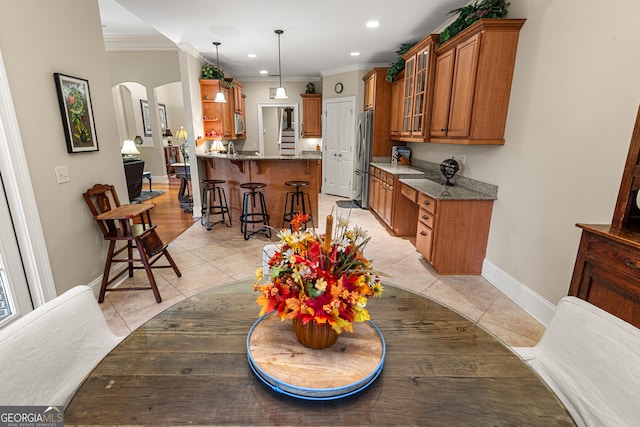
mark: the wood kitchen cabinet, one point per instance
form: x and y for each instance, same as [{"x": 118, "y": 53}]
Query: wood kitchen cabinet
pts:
[
  {"x": 369, "y": 91},
  {"x": 236, "y": 95},
  {"x": 378, "y": 98},
  {"x": 451, "y": 234},
  {"x": 473, "y": 74},
  {"x": 418, "y": 90},
  {"x": 311, "y": 115},
  {"x": 388, "y": 205},
  {"x": 217, "y": 118},
  {"x": 395, "y": 116}
]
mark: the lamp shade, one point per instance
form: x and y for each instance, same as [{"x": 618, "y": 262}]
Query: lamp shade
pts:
[
  {"x": 129, "y": 148},
  {"x": 181, "y": 134},
  {"x": 217, "y": 146},
  {"x": 220, "y": 97},
  {"x": 281, "y": 93},
  {"x": 168, "y": 132}
]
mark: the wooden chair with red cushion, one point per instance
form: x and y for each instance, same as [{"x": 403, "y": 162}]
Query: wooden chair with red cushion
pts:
[{"x": 132, "y": 225}]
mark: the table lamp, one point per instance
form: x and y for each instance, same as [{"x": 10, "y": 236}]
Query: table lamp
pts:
[
  {"x": 168, "y": 134},
  {"x": 129, "y": 149},
  {"x": 181, "y": 135}
]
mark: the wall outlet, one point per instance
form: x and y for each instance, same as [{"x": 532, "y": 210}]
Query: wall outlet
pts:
[
  {"x": 462, "y": 159},
  {"x": 62, "y": 174}
]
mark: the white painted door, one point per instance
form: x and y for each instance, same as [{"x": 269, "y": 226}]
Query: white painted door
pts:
[{"x": 339, "y": 142}]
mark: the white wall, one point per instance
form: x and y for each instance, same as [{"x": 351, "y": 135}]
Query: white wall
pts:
[
  {"x": 34, "y": 46},
  {"x": 574, "y": 100}
]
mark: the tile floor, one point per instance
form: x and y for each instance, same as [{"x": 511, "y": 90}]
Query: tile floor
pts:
[{"x": 212, "y": 258}]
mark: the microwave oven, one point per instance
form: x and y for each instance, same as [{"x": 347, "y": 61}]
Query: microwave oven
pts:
[{"x": 238, "y": 123}]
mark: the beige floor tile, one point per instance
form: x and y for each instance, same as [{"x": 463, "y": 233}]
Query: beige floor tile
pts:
[
  {"x": 199, "y": 278},
  {"x": 116, "y": 323},
  {"x": 213, "y": 258},
  {"x": 471, "y": 296},
  {"x": 506, "y": 315}
]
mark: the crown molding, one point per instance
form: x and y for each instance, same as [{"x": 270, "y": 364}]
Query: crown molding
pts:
[
  {"x": 138, "y": 42},
  {"x": 351, "y": 68}
]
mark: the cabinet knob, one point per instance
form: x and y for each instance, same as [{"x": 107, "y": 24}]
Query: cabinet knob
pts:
[
  {"x": 407, "y": 192},
  {"x": 425, "y": 217},
  {"x": 444, "y": 129},
  {"x": 423, "y": 233},
  {"x": 426, "y": 203},
  {"x": 629, "y": 263}
]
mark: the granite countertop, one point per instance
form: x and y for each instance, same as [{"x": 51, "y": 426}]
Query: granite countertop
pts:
[
  {"x": 444, "y": 192},
  {"x": 400, "y": 170},
  {"x": 253, "y": 156},
  {"x": 430, "y": 181}
]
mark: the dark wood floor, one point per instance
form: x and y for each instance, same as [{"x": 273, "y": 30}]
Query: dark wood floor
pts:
[{"x": 171, "y": 221}]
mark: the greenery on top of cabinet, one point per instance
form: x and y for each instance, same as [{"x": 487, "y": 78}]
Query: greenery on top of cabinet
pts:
[
  {"x": 398, "y": 65},
  {"x": 473, "y": 12}
]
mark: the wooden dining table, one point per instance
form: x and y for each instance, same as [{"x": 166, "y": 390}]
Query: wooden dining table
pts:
[{"x": 188, "y": 365}]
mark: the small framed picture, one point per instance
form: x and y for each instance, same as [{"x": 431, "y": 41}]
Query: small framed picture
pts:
[
  {"x": 77, "y": 113},
  {"x": 162, "y": 109},
  {"x": 146, "y": 122}
]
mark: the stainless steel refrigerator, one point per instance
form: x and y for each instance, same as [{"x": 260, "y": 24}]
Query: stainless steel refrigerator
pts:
[{"x": 363, "y": 158}]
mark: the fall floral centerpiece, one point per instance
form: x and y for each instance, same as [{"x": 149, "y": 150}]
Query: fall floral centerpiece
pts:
[{"x": 320, "y": 282}]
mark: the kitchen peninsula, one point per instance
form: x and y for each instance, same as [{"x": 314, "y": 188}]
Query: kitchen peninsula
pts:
[{"x": 271, "y": 170}]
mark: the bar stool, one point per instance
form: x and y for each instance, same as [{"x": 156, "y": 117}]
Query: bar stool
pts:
[
  {"x": 213, "y": 192},
  {"x": 253, "y": 213},
  {"x": 297, "y": 202}
]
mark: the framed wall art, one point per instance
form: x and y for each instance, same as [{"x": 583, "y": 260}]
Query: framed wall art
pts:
[
  {"x": 146, "y": 121},
  {"x": 77, "y": 113},
  {"x": 163, "y": 117}
]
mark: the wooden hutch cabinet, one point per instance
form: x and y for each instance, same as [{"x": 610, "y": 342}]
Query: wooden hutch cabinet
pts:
[
  {"x": 378, "y": 98},
  {"x": 311, "y": 115},
  {"x": 418, "y": 90},
  {"x": 473, "y": 75},
  {"x": 607, "y": 269}
]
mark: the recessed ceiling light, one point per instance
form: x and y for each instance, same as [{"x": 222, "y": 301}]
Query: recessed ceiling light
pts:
[
  {"x": 355, "y": 54},
  {"x": 252, "y": 55},
  {"x": 373, "y": 24},
  {"x": 264, "y": 72}
]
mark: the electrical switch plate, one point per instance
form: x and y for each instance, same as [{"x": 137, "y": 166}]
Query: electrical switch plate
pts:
[{"x": 62, "y": 174}]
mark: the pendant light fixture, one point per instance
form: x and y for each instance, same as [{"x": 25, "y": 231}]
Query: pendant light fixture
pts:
[
  {"x": 281, "y": 93},
  {"x": 219, "y": 96}
]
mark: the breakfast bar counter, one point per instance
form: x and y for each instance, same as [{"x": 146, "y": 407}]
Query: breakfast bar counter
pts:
[{"x": 271, "y": 170}]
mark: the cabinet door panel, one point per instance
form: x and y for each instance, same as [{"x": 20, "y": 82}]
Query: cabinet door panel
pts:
[
  {"x": 441, "y": 93},
  {"x": 462, "y": 91},
  {"x": 424, "y": 241},
  {"x": 407, "y": 103}
]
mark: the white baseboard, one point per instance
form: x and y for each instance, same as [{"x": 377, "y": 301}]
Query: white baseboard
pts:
[{"x": 538, "y": 307}]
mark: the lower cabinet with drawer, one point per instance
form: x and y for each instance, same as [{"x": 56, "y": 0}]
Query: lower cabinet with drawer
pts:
[
  {"x": 394, "y": 210},
  {"x": 452, "y": 234},
  {"x": 607, "y": 271}
]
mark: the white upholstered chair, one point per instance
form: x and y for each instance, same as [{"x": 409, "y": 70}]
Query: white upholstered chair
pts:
[
  {"x": 46, "y": 354},
  {"x": 591, "y": 360}
]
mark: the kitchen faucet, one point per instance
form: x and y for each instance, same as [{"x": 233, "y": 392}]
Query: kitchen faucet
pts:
[{"x": 231, "y": 149}]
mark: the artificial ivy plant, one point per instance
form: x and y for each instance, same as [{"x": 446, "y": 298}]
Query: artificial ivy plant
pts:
[
  {"x": 398, "y": 65},
  {"x": 212, "y": 72},
  {"x": 472, "y": 13}
]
